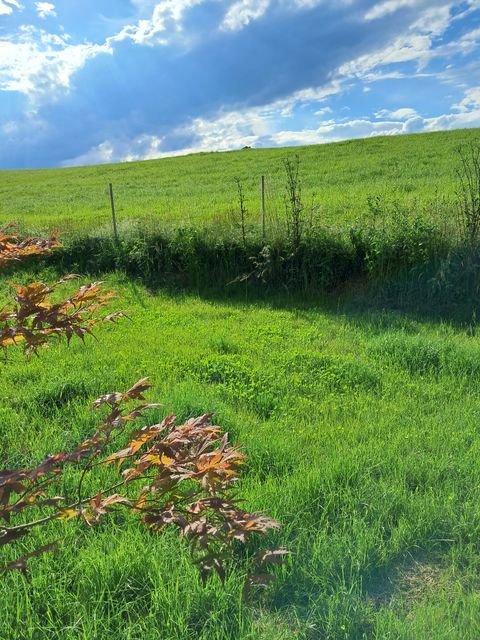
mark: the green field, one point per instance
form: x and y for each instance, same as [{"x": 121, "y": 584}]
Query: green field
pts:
[
  {"x": 362, "y": 430},
  {"x": 416, "y": 171},
  {"x": 359, "y": 414}
]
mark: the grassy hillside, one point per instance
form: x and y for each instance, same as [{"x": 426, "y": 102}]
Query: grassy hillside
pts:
[
  {"x": 413, "y": 171},
  {"x": 359, "y": 412},
  {"x": 363, "y": 436}
]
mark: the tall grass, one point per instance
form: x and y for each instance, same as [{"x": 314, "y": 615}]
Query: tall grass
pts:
[
  {"x": 322, "y": 260},
  {"x": 199, "y": 190},
  {"x": 468, "y": 191},
  {"x": 362, "y": 434}
]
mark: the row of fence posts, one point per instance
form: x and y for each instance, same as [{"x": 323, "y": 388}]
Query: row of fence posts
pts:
[{"x": 114, "y": 216}]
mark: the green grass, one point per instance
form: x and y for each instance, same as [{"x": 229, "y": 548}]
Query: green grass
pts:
[
  {"x": 414, "y": 173},
  {"x": 362, "y": 430},
  {"x": 361, "y": 424}
]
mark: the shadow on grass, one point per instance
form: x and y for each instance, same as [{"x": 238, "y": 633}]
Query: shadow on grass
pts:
[
  {"x": 444, "y": 293},
  {"x": 447, "y": 291},
  {"x": 409, "y": 578}
]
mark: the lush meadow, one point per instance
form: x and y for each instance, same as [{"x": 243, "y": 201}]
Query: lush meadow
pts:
[
  {"x": 362, "y": 435},
  {"x": 345, "y": 181},
  {"x": 349, "y": 373}
]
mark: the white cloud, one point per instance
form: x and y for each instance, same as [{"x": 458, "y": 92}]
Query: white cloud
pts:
[
  {"x": 334, "y": 131},
  {"x": 258, "y": 127},
  {"x": 435, "y": 20},
  {"x": 464, "y": 45},
  {"x": 249, "y": 127},
  {"x": 364, "y": 128},
  {"x": 241, "y": 13},
  {"x": 232, "y": 130},
  {"x": 144, "y": 147},
  {"x": 470, "y": 102},
  {"x": 453, "y": 121},
  {"x": 101, "y": 154},
  {"x": 38, "y": 63},
  {"x": 406, "y": 48},
  {"x": 309, "y": 4},
  {"x": 382, "y": 9},
  {"x": 237, "y": 129},
  {"x": 378, "y": 76},
  {"x": 7, "y": 7},
  {"x": 319, "y": 93},
  {"x": 166, "y": 17},
  {"x": 400, "y": 114},
  {"x": 414, "y": 45},
  {"x": 323, "y": 111},
  {"x": 45, "y": 9}
]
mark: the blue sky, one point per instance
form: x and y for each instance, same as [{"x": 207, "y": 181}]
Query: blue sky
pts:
[{"x": 110, "y": 80}]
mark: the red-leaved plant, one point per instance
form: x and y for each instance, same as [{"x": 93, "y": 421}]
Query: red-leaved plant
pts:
[
  {"x": 13, "y": 249},
  {"x": 171, "y": 475},
  {"x": 34, "y": 318}
]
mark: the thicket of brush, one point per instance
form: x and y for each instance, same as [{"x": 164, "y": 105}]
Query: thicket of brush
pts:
[
  {"x": 412, "y": 265},
  {"x": 323, "y": 260},
  {"x": 430, "y": 257}
]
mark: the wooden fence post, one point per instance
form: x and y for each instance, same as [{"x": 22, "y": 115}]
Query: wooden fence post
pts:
[
  {"x": 263, "y": 209},
  {"x": 114, "y": 218}
]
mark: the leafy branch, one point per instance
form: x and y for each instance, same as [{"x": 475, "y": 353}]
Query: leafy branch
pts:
[
  {"x": 172, "y": 475},
  {"x": 34, "y": 318},
  {"x": 12, "y": 249}
]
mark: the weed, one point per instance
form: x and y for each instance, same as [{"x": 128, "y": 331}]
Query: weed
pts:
[
  {"x": 242, "y": 209},
  {"x": 468, "y": 191},
  {"x": 294, "y": 208}
]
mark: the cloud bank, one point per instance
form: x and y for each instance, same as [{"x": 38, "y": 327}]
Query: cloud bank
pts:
[{"x": 141, "y": 78}]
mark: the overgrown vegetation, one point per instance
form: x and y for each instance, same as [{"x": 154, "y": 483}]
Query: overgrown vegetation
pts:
[
  {"x": 361, "y": 429},
  {"x": 242, "y": 209},
  {"x": 294, "y": 207},
  {"x": 187, "y": 472},
  {"x": 324, "y": 260},
  {"x": 358, "y": 411},
  {"x": 468, "y": 193}
]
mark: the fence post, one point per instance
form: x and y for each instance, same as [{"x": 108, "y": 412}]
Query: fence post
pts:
[
  {"x": 114, "y": 218},
  {"x": 263, "y": 208}
]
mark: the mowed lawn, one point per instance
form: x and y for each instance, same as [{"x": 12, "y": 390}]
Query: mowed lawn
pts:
[
  {"x": 413, "y": 173},
  {"x": 362, "y": 431}
]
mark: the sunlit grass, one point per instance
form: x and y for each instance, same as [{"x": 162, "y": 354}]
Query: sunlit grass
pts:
[
  {"x": 416, "y": 172},
  {"x": 362, "y": 430}
]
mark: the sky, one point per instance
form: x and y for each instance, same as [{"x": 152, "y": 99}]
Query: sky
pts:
[{"x": 94, "y": 81}]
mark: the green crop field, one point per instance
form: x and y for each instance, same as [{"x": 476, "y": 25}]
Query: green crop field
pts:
[
  {"x": 416, "y": 171},
  {"x": 359, "y": 413}
]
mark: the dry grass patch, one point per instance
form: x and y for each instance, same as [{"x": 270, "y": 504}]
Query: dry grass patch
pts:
[{"x": 408, "y": 582}]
